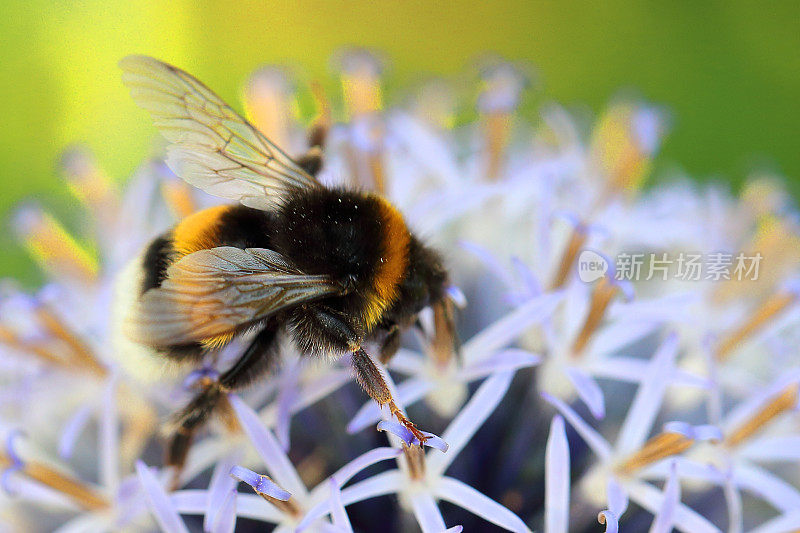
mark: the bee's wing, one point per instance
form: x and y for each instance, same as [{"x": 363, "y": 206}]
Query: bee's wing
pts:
[
  {"x": 209, "y": 294},
  {"x": 213, "y": 148}
]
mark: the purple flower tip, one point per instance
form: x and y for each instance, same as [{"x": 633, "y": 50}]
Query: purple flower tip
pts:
[
  {"x": 698, "y": 433},
  {"x": 456, "y": 296},
  {"x": 574, "y": 220},
  {"x": 434, "y": 441},
  {"x": 610, "y": 520},
  {"x": 27, "y": 218},
  {"x": 51, "y": 292},
  {"x": 398, "y": 429},
  {"x": 546, "y": 396},
  {"x": 792, "y": 287},
  {"x": 625, "y": 287},
  {"x": 11, "y": 451},
  {"x": 648, "y": 126},
  {"x": 262, "y": 485},
  {"x": 4, "y": 480},
  {"x": 196, "y": 375},
  {"x": 16, "y": 461}
]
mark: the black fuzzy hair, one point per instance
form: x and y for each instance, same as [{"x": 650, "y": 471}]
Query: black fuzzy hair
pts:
[
  {"x": 332, "y": 231},
  {"x": 155, "y": 262}
]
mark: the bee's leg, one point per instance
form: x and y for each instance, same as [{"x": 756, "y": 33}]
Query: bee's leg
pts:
[
  {"x": 445, "y": 341},
  {"x": 390, "y": 344},
  {"x": 340, "y": 334},
  {"x": 311, "y": 161},
  {"x": 257, "y": 359},
  {"x": 188, "y": 421},
  {"x": 371, "y": 380}
]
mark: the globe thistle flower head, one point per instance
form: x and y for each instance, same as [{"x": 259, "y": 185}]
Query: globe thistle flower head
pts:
[{"x": 574, "y": 376}]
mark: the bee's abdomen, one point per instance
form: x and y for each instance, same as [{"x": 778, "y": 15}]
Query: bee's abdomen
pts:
[{"x": 156, "y": 259}]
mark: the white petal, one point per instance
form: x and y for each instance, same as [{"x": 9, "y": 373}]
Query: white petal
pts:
[
  {"x": 473, "y": 501},
  {"x": 647, "y": 402},
  {"x": 159, "y": 503},
  {"x": 557, "y": 479},
  {"x": 662, "y": 523},
  {"x": 427, "y": 513},
  {"x": 470, "y": 419},
  {"x": 686, "y": 519},
  {"x": 588, "y": 391},
  {"x": 596, "y": 442},
  {"x": 270, "y": 451}
]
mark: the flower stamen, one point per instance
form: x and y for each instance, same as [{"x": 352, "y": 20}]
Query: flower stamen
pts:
[
  {"x": 663, "y": 445},
  {"x": 12, "y": 340},
  {"x": 79, "y": 492},
  {"x": 502, "y": 86},
  {"x": 768, "y": 310},
  {"x": 415, "y": 459},
  {"x": 602, "y": 295},
  {"x": 781, "y": 402},
  {"x": 89, "y": 183},
  {"x": 623, "y": 143},
  {"x": 361, "y": 84},
  {"x": 82, "y": 354},
  {"x": 53, "y": 247},
  {"x": 574, "y": 246},
  {"x": 444, "y": 340}
]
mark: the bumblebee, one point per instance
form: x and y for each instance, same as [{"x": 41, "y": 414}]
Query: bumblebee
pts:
[{"x": 329, "y": 267}]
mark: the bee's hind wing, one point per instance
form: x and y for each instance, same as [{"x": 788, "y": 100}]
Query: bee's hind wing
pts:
[
  {"x": 213, "y": 148},
  {"x": 209, "y": 295}
]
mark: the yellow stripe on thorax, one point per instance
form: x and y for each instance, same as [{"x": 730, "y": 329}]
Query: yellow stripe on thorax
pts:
[
  {"x": 198, "y": 231},
  {"x": 393, "y": 263}
]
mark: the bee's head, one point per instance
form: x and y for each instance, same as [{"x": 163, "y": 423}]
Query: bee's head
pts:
[
  {"x": 427, "y": 276},
  {"x": 433, "y": 289}
]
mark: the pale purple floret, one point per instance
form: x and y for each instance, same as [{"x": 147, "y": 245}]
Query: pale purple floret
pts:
[
  {"x": 219, "y": 487},
  {"x": 664, "y": 520},
  {"x": 159, "y": 503},
  {"x": 410, "y": 440},
  {"x": 557, "y": 479},
  {"x": 15, "y": 459},
  {"x": 196, "y": 376},
  {"x": 260, "y": 484},
  {"x": 72, "y": 430},
  {"x": 268, "y": 448}
]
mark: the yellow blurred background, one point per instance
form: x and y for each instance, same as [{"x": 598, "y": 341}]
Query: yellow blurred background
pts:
[{"x": 729, "y": 72}]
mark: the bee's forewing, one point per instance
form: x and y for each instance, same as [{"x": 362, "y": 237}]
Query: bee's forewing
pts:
[
  {"x": 213, "y": 148},
  {"x": 209, "y": 294}
]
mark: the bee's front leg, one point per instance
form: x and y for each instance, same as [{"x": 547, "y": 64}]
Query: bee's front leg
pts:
[
  {"x": 324, "y": 328},
  {"x": 370, "y": 378}
]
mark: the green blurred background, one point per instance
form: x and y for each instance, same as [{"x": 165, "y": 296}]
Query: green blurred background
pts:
[{"x": 729, "y": 72}]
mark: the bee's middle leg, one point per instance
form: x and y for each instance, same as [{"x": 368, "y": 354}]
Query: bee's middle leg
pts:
[{"x": 256, "y": 360}]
